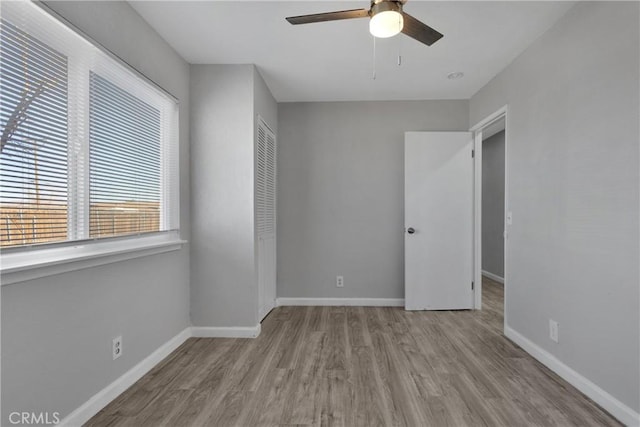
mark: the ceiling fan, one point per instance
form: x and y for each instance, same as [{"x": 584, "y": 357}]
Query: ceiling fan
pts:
[{"x": 386, "y": 20}]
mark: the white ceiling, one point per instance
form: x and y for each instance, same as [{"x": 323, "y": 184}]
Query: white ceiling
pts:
[{"x": 333, "y": 61}]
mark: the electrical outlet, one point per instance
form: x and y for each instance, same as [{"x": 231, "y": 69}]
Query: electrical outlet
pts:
[
  {"x": 339, "y": 282},
  {"x": 553, "y": 330},
  {"x": 116, "y": 347}
]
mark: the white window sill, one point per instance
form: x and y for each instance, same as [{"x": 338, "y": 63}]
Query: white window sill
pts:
[{"x": 32, "y": 264}]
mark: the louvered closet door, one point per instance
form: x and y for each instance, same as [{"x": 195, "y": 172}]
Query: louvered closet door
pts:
[{"x": 266, "y": 221}]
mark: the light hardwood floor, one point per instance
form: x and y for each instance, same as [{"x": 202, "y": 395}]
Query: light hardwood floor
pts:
[{"x": 356, "y": 366}]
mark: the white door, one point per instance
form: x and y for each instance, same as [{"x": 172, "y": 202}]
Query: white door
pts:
[
  {"x": 438, "y": 220},
  {"x": 266, "y": 275},
  {"x": 266, "y": 218}
]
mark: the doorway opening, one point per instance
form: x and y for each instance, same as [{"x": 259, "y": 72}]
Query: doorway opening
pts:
[{"x": 491, "y": 217}]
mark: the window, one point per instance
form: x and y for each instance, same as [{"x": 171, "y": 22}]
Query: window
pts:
[
  {"x": 124, "y": 165},
  {"x": 89, "y": 147},
  {"x": 33, "y": 160}
]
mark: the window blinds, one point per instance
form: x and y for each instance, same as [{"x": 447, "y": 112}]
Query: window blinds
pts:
[
  {"x": 124, "y": 150},
  {"x": 33, "y": 160},
  {"x": 89, "y": 147}
]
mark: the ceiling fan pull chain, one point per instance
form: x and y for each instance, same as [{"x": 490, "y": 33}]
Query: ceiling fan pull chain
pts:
[
  {"x": 400, "y": 48},
  {"x": 374, "y": 58}
]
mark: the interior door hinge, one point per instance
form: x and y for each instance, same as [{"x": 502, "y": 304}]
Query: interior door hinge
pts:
[
  {"x": 472, "y": 285},
  {"x": 473, "y": 153}
]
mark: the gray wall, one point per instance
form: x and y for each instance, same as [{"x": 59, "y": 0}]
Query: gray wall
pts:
[
  {"x": 264, "y": 104},
  {"x": 573, "y": 132},
  {"x": 493, "y": 204},
  {"x": 340, "y": 193},
  {"x": 226, "y": 100},
  {"x": 57, "y": 331},
  {"x": 222, "y": 260}
]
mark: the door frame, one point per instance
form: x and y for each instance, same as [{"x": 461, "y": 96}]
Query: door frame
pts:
[{"x": 477, "y": 221}]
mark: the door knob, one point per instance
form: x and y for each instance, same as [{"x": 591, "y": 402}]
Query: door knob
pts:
[{"x": 411, "y": 230}]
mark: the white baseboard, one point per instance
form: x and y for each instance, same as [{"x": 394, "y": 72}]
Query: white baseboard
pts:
[
  {"x": 616, "y": 408},
  {"x": 225, "y": 332},
  {"x": 494, "y": 277},
  {"x": 99, "y": 400},
  {"x": 358, "y": 302}
]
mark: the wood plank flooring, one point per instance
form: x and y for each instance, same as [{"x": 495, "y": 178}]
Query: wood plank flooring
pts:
[{"x": 355, "y": 366}]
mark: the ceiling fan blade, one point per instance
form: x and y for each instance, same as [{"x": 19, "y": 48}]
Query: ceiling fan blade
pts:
[
  {"x": 329, "y": 16},
  {"x": 419, "y": 31}
]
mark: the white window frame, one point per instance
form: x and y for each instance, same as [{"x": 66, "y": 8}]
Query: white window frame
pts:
[{"x": 79, "y": 251}]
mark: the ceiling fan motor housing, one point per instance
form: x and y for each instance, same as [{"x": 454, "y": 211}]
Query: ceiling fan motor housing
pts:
[
  {"x": 378, "y": 6},
  {"x": 387, "y": 1}
]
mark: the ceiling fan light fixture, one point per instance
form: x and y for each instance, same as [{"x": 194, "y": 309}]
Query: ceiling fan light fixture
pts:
[{"x": 386, "y": 19}]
